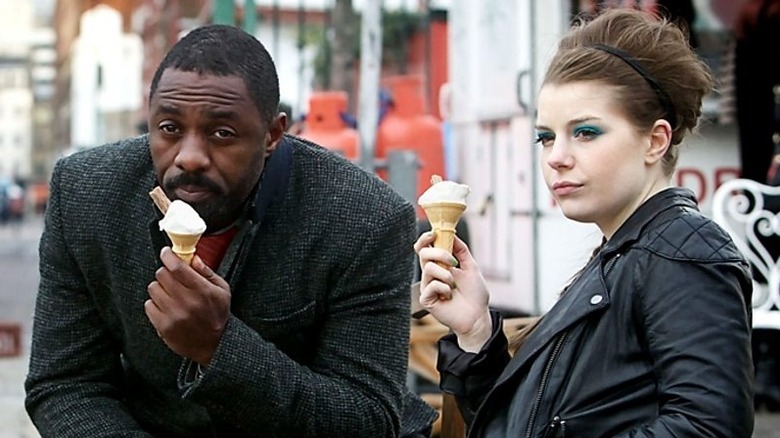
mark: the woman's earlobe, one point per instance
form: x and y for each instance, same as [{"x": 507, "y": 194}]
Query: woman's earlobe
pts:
[{"x": 660, "y": 141}]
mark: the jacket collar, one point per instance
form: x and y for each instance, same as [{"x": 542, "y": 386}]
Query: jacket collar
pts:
[
  {"x": 634, "y": 226},
  {"x": 274, "y": 181}
]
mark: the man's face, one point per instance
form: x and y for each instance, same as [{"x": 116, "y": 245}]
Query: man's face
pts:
[{"x": 209, "y": 142}]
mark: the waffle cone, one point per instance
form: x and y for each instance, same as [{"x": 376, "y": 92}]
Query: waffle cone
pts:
[
  {"x": 184, "y": 245},
  {"x": 444, "y": 217}
]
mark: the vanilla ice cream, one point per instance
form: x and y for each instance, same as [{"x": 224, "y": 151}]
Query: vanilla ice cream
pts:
[
  {"x": 445, "y": 191},
  {"x": 181, "y": 218},
  {"x": 184, "y": 226},
  {"x": 444, "y": 203}
]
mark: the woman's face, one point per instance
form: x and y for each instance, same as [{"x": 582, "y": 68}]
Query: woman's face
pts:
[{"x": 597, "y": 165}]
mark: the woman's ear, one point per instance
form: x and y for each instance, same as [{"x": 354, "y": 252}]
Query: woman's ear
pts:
[{"x": 660, "y": 141}]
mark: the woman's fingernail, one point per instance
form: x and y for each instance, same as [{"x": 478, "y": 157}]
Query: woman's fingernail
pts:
[
  {"x": 454, "y": 261},
  {"x": 454, "y": 285},
  {"x": 430, "y": 234}
]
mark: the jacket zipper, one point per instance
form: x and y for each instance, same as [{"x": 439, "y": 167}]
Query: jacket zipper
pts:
[
  {"x": 610, "y": 264},
  {"x": 556, "y": 423},
  {"x": 543, "y": 385},
  {"x": 548, "y": 367}
]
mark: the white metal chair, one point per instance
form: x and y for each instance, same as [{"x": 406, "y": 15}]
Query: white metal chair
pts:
[{"x": 750, "y": 212}]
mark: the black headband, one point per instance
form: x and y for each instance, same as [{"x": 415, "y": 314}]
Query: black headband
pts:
[{"x": 666, "y": 101}]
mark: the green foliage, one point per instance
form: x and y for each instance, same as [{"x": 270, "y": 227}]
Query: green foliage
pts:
[{"x": 397, "y": 27}]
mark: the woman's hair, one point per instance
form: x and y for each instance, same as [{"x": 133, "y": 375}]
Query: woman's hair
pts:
[
  {"x": 655, "y": 72},
  {"x": 648, "y": 59}
]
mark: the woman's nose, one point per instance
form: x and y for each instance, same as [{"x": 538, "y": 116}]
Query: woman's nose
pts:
[
  {"x": 558, "y": 155},
  {"x": 193, "y": 153}
]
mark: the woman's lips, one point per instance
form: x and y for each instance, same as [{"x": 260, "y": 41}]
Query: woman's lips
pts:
[{"x": 563, "y": 188}]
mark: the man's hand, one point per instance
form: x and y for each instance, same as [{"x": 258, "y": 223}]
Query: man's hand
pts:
[{"x": 189, "y": 306}]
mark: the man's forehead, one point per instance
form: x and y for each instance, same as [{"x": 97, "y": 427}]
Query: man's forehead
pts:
[
  {"x": 178, "y": 88},
  {"x": 176, "y": 77}
]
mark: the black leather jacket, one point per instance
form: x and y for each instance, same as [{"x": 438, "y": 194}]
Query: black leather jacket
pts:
[{"x": 652, "y": 339}]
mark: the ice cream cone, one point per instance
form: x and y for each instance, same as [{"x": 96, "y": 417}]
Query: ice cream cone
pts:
[
  {"x": 444, "y": 217},
  {"x": 184, "y": 245}
]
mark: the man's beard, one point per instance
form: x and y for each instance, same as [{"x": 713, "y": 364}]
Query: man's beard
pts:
[
  {"x": 221, "y": 210},
  {"x": 219, "y": 213}
]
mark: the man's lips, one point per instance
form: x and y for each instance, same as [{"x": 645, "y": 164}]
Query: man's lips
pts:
[{"x": 192, "y": 194}]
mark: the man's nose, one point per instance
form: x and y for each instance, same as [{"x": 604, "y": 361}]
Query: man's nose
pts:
[{"x": 193, "y": 153}]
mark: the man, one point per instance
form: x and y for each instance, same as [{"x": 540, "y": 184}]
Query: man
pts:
[{"x": 292, "y": 319}]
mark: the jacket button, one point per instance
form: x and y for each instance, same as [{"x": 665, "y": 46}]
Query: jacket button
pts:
[{"x": 595, "y": 299}]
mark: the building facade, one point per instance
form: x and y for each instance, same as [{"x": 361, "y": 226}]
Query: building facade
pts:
[{"x": 16, "y": 99}]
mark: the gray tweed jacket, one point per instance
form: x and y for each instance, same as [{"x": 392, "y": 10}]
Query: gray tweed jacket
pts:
[{"x": 317, "y": 341}]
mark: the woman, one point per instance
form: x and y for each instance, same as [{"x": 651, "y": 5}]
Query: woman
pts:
[{"x": 652, "y": 336}]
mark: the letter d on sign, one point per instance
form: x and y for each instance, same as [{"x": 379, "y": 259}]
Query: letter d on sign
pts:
[{"x": 693, "y": 179}]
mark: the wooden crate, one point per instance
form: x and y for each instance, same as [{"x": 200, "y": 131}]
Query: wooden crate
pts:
[{"x": 10, "y": 340}]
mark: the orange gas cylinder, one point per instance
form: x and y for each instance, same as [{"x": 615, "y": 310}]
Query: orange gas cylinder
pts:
[
  {"x": 406, "y": 126},
  {"x": 326, "y": 127}
]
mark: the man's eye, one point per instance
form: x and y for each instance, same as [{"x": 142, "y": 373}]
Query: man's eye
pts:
[
  {"x": 168, "y": 128},
  {"x": 224, "y": 133}
]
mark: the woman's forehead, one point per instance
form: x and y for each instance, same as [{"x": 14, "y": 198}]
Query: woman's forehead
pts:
[{"x": 576, "y": 101}]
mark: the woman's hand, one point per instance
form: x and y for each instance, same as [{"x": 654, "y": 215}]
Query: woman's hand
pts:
[{"x": 456, "y": 296}]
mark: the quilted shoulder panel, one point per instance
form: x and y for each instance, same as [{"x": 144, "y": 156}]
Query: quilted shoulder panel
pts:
[{"x": 691, "y": 236}]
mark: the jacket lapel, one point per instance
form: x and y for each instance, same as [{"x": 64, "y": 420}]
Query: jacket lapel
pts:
[
  {"x": 588, "y": 294},
  {"x": 158, "y": 238}
]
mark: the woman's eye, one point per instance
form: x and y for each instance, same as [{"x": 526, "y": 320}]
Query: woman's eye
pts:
[
  {"x": 587, "y": 132},
  {"x": 544, "y": 138}
]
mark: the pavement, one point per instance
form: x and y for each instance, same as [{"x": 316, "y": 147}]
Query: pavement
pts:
[
  {"x": 18, "y": 252},
  {"x": 12, "y": 233},
  {"x": 14, "y": 422}
]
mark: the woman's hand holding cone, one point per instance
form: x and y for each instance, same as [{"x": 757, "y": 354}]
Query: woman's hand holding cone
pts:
[{"x": 456, "y": 296}]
